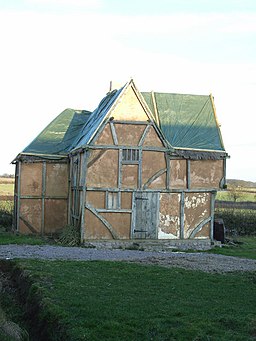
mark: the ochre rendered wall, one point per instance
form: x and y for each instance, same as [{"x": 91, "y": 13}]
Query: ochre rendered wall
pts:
[
  {"x": 30, "y": 214},
  {"x": 178, "y": 174},
  {"x": 206, "y": 173},
  {"x": 152, "y": 139},
  {"x": 129, "y": 134},
  {"x": 102, "y": 168},
  {"x": 95, "y": 228},
  {"x": 31, "y": 179},
  {"x": 129, "y": 176},
  {"x": 105, "y": 137},
  {"x": 43, "y": 197},
  {"x": 152, "y": 162}
]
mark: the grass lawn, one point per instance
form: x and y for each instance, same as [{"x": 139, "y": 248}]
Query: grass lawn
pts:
[
  {"x": 119, "y": 301},
  {"x": 243, "y": 247},
  {"x": 12, "y": 238}
]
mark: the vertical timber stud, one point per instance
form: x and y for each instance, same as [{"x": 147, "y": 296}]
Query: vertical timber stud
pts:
[
  {"x": 167, "y": 160},
  {"x": 120, "y": 158},
  {"x": 69, "y": 190},
  {"x": 83, "y": 199},
  {"x": 182, "y": 204},
  {"x": 213, "y": 195},
  {"x": 114, "y": 135},
  {"x": 224, "y": 172},
  {"x": 43, "y": 197},
  {"x": 139, "y": 181},
  {"x": 18, "y": 199},
  {"x": 188, "y": 175}
]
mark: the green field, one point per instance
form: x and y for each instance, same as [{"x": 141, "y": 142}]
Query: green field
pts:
[
  {"x": 245, "y": 194},
  {"x": 120, "y": 301}
]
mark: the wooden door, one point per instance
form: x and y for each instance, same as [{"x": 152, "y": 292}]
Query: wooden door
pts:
[{"x": 145, "y": 215}]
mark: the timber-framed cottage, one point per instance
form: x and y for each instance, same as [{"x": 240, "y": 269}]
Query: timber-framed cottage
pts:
[{"x": 143, "y": 165}]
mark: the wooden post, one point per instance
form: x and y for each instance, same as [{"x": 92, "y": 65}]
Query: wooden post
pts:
[
  {"x": 18, "y": 198},
  {"x": 182, "y": 204},
  {"x": 43, "y": 197},
  {"x": 213, "y": 195}
]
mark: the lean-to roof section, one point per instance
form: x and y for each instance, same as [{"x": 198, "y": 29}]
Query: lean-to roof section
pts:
[
  {"x": 58, "y": 137},
  {"x": 186, "y": 121}
]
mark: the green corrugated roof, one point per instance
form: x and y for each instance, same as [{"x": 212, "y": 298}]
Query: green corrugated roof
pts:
[{"x": 187, "y": 121}]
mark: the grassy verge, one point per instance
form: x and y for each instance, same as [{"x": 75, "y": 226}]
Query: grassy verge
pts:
[
  {"x": 241, "y": 247},
  {"x": 12, "y": 238},
  {"x": 120, "y": 301}
]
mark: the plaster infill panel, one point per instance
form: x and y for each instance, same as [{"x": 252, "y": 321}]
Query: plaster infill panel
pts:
[
  {"x": 126, "y": 200},
  {"x": 105, "y": 137},
  {"x": 197, "y": 208},
  {"x": 30, "y": 212},
  {"x": 121, "y": 223},
  {"x": 169, "y": 216},
  {"x": 152, "y": 162},
  {"x": 178, "y": 174},
  {"x": 130, "y": 176},
  {"x": 55, "y": 216},
  {"x": 96, "y": 198},
  {"x": 94, "y": 228},
  {"x": 56, "y": 179},
  {"x": 102, "y": 168},
  {"x": 129, "y": 108},
  {"x": 152, "y": 139},
  {"x": 31, "y": 179},
  {"x": 206, "y": 173},
  {"x": 129, "y": 134}
]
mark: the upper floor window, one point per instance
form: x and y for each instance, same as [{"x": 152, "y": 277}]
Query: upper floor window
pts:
[{"x": 130, "y": 155}]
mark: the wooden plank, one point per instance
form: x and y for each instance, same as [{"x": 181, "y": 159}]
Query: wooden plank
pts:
[
  {"x": 132, "y": 122},
  {"x": 83, "y": 199},
  {"x": 212, "y": 214},
  {"x": 188, "y": 174},
  {"x": 18, "y": 198},
  {"x": 43, "y": 197},
  {"x": 155, "y": 108},
  {"x": 146, "y": 215},
  {"x": 149, "y": 148},
  {"x": 182, "y": 217},
  {"x": 168, "y": 172},
  {"x": 119, "y": 210},
  {"x": 113, "y": 131}
]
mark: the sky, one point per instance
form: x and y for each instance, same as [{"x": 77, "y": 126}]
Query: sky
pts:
[{"x": 58, "y": 54}]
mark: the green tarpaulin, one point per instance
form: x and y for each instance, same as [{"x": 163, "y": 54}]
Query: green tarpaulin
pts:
[{"x": 186, "y": 121}]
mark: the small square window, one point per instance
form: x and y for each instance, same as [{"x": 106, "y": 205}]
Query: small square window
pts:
[{"x": 131, "y": 155}]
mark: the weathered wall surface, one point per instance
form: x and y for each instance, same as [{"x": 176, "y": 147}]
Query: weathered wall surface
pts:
[
  {"x": 178, "y": 174},
  {"x": 152, "y": 163},
  {"x": 42, "y": 192},
  {"x": 169, "y": 216},
  {"x": 102, "y": 168},
  {"x": 129, "y": 134},
  {"x": 206, "y": 173},
  {"x": 197, "y": 209}
]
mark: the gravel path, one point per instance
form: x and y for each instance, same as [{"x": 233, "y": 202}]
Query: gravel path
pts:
[{"x": 195, "y": 261}]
